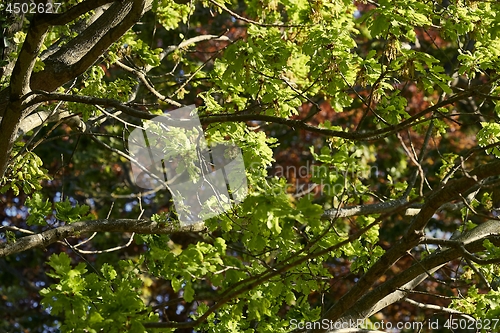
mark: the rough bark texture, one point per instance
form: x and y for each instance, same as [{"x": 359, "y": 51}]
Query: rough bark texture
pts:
[
  {"x": 412, "y": 237},
  {"x": 386, "y": 294},
  {"x": 62, "y": 66}
]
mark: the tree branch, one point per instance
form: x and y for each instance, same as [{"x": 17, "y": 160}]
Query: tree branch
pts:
[
  {"x": 74, "y": 12},
  {"x": 439, "y": 308},
  {"x": 48, "y": 237},
  {"x": 65, "y": 64},
  {"x": 141, "y": 76},
  {"x": 251, "y": 282},
  {"x": 412, "y": 237},
  {"x": 44, "y": 96},
  {"x": 398, "y": 287},
  {"x": 186, "y": 43},
  {"x": 19, "y": 86},
  {"x": 81, "y": 52},
  {"x": 244, "y": 19},
  {"x": 21, "y": 75},
  {"x": 209, "y": 119},
  {"x": 378, "y": 208}
]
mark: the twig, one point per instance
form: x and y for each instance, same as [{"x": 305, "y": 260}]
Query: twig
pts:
[
  {"x": 412, "y": 158},
  {"x": 244, "y": 19},
  {"x": 142, "y": 77},
  {"x": 440, "y": 308}
]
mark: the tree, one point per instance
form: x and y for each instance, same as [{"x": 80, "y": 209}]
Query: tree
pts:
[{"x": 369, "y": 133}]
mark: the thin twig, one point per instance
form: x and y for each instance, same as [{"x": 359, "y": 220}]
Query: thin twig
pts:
[
  {"x": 440, "y": 308},
  {"x": 244, "y": 19}
]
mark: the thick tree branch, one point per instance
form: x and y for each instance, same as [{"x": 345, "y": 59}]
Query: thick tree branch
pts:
[
  {"x": 451, "y": 191},
  {"x": 14, "y": 23},
  {"x": 37, "y": 119},
  {"x": 44, "y": 96},
  {"x": 67, "y": 63},
  {"x": 21, "y": 75},
  {"x": 19, "y": 86},
  {"x": 74, "y": 12},
  {"x": 363, "y": 309},
  {"x": 412, "y": 237},
  {"x": 48, "y": 237},
  {"x": 82, "y": 51},
  {"x": 398, "y": 287}
]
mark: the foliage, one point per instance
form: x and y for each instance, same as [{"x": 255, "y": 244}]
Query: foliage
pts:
[
  {"x": 368, "y": 129},
  {"x": 95, "y": 302}
]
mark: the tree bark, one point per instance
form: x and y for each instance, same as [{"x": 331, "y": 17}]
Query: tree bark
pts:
[{"x": 62, "y": 66}]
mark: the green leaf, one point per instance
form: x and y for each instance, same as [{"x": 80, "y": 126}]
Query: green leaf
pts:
[
  {"x": 108, "y": 272},
  {"x": 66, "y": 211},
  {"x": 38, "y": 209},
  {"x": 60, "y": 263},
  {"x": 176, "y": 284},
  {"x": 188, "y": 293}
]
